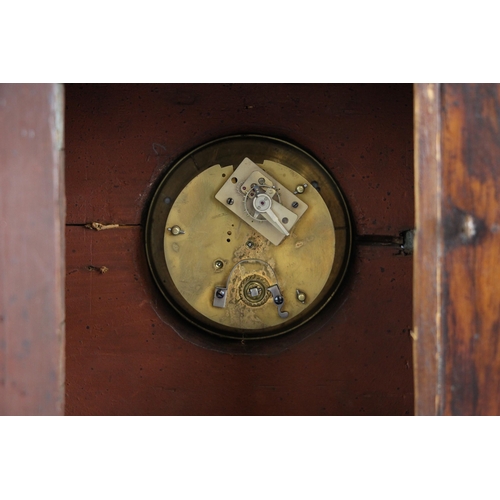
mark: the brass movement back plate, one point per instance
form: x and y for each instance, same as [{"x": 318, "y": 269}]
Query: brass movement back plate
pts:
[{"x": 248, "y": 237}]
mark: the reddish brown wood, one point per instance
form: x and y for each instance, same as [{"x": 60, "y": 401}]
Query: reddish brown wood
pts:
[
  {"x": 457, "y": 354},
  {"x": 427, "y": 292},
  {"x": 31, "y": 250},
  {"x": 124, "y": 357},
  {"x": 471, "y": 225},
  {"x": 123, "y": 354},
  {"x": 120, "y": 137}
]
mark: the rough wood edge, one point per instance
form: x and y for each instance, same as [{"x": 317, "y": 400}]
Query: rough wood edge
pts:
[
  {"x": 428, "y": 254},
  {"x": 57, "y": 133}
]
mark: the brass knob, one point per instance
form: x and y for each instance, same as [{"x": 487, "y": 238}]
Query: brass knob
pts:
[{"x": 175, "y": 230}]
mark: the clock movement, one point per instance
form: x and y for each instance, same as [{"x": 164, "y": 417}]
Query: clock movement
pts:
[{"x": 248, "y": 237}]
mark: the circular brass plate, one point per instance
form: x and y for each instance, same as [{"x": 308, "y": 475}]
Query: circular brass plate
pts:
[{"x": 216, "y": 248}]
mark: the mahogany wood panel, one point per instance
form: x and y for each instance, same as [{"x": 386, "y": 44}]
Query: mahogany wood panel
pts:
[
  {"x": 462, "y": 277},
  {"x": 127, "y": 351},
  {"x": 121, "y": 137},
  {"x": 125, "y": 358},
  {"x": 31, "y": 250}
]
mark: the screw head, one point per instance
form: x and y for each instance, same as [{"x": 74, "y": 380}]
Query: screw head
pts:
[
  {"x": 218, "y": 264},
  {"x": 175, "y": 230},
  {"x": 249, "y": 244},
  {"x": 229, "y": 201},
  {"x": 300, "y": 188},
  {"x": 278, "y": 300},
  {"x": 262, "y": 181},
  {"x": 295, "y": 204},
  {"x": 284, "y": 220},
  {"x": 220, "y": 294}
]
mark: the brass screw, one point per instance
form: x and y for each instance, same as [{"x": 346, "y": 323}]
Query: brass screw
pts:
[
  {"x": 175, "y": 230},
  {"x": 301, "y": 296},
  {"x": 299, "y": 189}
]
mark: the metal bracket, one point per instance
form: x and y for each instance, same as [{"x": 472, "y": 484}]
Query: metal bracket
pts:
[
  {"x": 408, "y": 237},
  {"x": 278, "y": 300},
  {"x": 220, "y": 295}
]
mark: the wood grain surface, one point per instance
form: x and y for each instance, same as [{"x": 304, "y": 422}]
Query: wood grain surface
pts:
[
  {"x": 471, "y": 225},
  {"x": 427, "y": 330},
  {"x": 457, "y": 355},
  {"x": 31, "y": 250}
]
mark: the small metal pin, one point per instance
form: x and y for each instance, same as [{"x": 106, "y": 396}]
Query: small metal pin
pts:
[
  {"x": 301, "y": 296},
  {"x": 175, "y": 230},
  {"x": 249, "y": 244}
]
